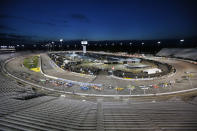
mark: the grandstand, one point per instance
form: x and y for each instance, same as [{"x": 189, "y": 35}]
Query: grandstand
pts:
[{"x": 190, "y": 53}]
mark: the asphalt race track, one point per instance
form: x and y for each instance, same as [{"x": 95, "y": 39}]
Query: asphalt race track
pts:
[
  {"x": 180, "y": 82},
  {"x": 28, "y": 107}
]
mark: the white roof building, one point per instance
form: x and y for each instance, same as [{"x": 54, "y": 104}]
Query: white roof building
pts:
[
  {"x": 66, "y": 61},
  {"x": 152, "y": 71},
  {"x": 133, "y": 60}
]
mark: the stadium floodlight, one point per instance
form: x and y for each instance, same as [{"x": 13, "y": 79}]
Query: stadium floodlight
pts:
[
  {"x": 52, "y": 45},
  {"x": 61, "y": 40},
  {"x": 84, "y": 42}
]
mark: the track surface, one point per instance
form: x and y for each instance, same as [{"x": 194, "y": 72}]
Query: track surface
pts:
[
  {"x": 71, "y": 113},
  {"x": 51, "y": 69}
]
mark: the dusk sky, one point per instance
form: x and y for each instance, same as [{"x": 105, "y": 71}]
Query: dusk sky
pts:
[{"x": 99, "y": 19}]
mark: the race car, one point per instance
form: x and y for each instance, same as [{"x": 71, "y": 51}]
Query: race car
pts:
[{"x": 84, "y": 88}]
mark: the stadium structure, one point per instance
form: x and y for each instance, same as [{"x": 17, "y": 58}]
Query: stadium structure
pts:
[{"x": 98, "y": 91}]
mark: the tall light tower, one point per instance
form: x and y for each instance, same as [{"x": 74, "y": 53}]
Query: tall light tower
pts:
[
  {"x": 84, "y": 43},
  {"x": 61, "y": 40},
  {"x": 53, "y": 47},
  {"x": 181, "y": 42}
]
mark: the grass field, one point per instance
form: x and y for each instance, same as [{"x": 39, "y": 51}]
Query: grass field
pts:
[{"x": 31, "y": 62}]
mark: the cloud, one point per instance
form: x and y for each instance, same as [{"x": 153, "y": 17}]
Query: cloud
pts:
[
  {"x": 40, "y": 22},
  {"x": 15, "y": 36},
  {"x": 80, "y": 17},
  {"x": 3, "y": 16},
  {"x": 3, "y": 27}
]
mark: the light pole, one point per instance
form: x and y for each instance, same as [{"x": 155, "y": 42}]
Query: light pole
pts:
[
  {"x": 142, "y": 47},
  {"x": 48, "y": 46},
  {"x": 158, "y": 43},
  {"x": 181, "y": 42},
  {"x": 52, "y": 45},
  {"x": 190, "y": 75},
  {"x": 131, "y": 88},
  {"x": 61, "y": 40}
]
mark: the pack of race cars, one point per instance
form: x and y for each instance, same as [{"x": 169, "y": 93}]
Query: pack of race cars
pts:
[
  {"x": 119, "y": 89},
  {"x": 64, "y": 85}
]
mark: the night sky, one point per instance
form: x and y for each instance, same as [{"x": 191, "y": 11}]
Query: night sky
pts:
[{"x": 99, "y": 19}]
